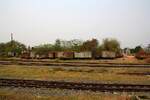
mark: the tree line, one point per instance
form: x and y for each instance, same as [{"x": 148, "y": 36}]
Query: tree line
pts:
[
  {"x": 93, "y": 45},
  {"x": 76, "y": 45}
]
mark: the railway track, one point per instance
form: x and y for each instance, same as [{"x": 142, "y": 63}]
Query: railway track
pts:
[
  {"x": 72, "y": 64},
  {"x": 75, "y": 61},
  {"x": 75, "y": 86}
]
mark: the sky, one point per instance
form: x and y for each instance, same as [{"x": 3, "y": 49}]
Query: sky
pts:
[{"x": 35, "y": 22}]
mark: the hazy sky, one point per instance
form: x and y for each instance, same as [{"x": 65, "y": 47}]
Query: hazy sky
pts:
[{"x": 42, "y": 21}]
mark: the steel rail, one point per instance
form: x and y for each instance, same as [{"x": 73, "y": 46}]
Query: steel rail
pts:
[{"x": 74, "y": 85}]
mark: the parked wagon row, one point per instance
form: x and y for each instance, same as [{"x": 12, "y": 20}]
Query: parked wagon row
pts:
[{"x": 69, "y": 55}]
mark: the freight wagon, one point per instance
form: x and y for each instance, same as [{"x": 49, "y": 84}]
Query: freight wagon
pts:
[
  {"x": 142, "y": 54},
  {"x": 108, "y": 55},
  {"x": 65, "y": 55},
  {"x": 83, "y": 55},
  {"x": 42, "y": 56},
  {"x": 28, "y": 55},
  {"x": 119, "y": 54},
  {"x": 71, "y": 55},
  {"x": 51, "y": 55},
  {"x": 25, "y": 55},
  {"x": 32, "y": 55}
]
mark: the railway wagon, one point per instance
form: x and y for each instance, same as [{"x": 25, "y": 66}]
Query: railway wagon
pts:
[
  {"x": 25, "y": 55},
  {"x": 142, "y": 55},
  {"x": 28, "y": 55},
  {"x": 65, "y": 55},
  {"x": 83, "y": 55},
  {"x": 119, "y": 54},
  {"x": 108, "y": 55},
  {"x": 42, "y": 56},
  {"x": 51, "y": 55},
  {"x": 32, "y": 55}
]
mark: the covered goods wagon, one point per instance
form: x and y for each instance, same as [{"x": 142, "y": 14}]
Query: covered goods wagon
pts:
[
  {"x": 65, "y": 55},
  {"x": 25, "y": 55},
  {"x": 83, "y": 55},
  {"x": 108, "y": 54},
  {"x": 51, "y": 55},
  {"x": 142, "y": 54}
]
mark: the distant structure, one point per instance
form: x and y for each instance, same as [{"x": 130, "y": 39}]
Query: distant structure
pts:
[{"x": 127, "y": 51}]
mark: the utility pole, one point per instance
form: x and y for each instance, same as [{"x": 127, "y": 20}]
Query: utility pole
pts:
[
  {"x": 12, "y": 52},
  {"x": 11, "y": 36},
  {"x": 11, "y": 39}
]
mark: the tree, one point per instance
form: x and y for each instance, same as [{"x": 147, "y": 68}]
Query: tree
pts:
[
  {"x": 76, "y": 45},
  {"x": 132, "y": 50},
  {"x": 137, "y": 49},
  {"x": 2, "y": 49},
  {"x": 12, "y": 48},
  {"x": 57, "y": 45},
  {"x": 90, "y": 45},
  {"x": 110, "y": 44},
  {"x": 43, "y": 49},
  {"x": 72, "y": 45}
]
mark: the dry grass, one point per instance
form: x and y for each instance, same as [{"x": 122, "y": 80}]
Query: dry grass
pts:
[
  {"x": 107, "y": 75},
  {"x": 26, "y": 94},
  {"x": 73, "y": 97}
]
